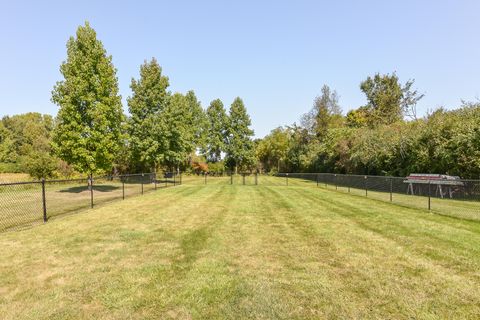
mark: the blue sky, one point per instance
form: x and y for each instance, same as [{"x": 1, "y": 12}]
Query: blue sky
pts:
[{"x": 276, "y": 55}]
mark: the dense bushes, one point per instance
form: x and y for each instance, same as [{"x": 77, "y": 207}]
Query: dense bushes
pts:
[{"x": 442, "y": 142}]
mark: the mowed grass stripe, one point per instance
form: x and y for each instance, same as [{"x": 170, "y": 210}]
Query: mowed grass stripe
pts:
[{"x": 216, "y": 252}]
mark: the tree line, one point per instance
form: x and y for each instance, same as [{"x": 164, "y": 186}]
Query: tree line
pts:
[
  {"x": 383, "y": 137},
  {"x": 91, "y": 134},
  {"x": 171, "y": 131}
]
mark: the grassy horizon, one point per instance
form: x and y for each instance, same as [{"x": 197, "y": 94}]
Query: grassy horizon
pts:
[{"x": 238, "y": 252}]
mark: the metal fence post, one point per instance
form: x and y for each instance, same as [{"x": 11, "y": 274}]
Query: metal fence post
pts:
[
  {"x": 205, "y": 174},
  {"x": 123, "y": 189},
  {"x": 243, "y": 178},
  {"x": 174, "y": 179},
  {"x": 44, "y": 201},
  {"x": 91, "y": 190},
  {"x": 366, "y": 186},
  {"x": 391, "y": 189},
  {"x": 180, "y": 176},
  {"x": 286, "y": 176},
  {"x": 335, "y": 178},
  {"x": 142, "y": 181},
  {"x": 429, "y": 195},
  {"x": 317, "y": 179},
  {"x": 155, "y": 180},
  {"x": 231, "y": 178},
  {"x": 256, "y": 178}
]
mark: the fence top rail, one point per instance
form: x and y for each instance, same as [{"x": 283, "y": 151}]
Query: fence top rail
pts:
[
  {"x": 76, "y": 179},
  {"x": 4, "y": 184},
  {"x": 292, "y": 174},
  {"x": 66, "y": 180}
]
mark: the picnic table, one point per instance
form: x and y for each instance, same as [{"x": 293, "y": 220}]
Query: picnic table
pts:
[{"x": 445, "y": 185}]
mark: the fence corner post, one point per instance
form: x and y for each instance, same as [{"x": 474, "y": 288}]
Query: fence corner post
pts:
[
  {"x": 286, "y": 178},
  {"x": 44, "y": 201}
]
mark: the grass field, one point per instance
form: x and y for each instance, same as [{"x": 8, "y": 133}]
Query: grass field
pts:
[
  {"x": 234, "y": 252},
  {"x": 451, "y": 207}
]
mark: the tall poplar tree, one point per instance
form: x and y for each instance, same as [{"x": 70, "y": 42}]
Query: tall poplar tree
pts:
[
  {"x": 183, "y": 126},
  {"x": 240, "y": 147},
  {"x": 217, "y": 122},
  {"x": 148, "y": 101},
  {"x": 88, "y": 130}
]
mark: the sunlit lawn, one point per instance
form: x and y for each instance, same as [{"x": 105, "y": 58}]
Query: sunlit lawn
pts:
[{"x": 233, "y": 252}]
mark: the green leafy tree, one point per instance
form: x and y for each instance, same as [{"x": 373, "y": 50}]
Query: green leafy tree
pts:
[
  {"x": 326, "y": 113},
  {"x": 196, "y": 120},
  {"x": 384, "y": 96},
  {"x": 273, "y": 149},
  {"x": 177, "y": 136},
  {"x": 39, "y": 164},
  {"x": 217, "y": 122},
  {"x": 88, "y": 130},
  {"x": 389, "y": 100},
  {"x": 240, "y": 147},
  {"x": 148, "y": 101},
  {"x": 7, "y": 148},
  {"x": 358, "y": 118}
]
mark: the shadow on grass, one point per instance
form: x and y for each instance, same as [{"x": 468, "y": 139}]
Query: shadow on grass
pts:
[{"x": 79, "y": 189}]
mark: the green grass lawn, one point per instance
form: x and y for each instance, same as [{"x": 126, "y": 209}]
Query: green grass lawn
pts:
[{"x": 263, "y": 252}]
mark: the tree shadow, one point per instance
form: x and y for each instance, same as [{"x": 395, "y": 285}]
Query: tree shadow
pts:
[{"x": 79, "y": 189}]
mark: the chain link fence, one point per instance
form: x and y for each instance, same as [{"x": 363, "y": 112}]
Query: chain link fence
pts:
[
  {"x": 460, "y": 199},
  {"x": 24, "y": 204}
]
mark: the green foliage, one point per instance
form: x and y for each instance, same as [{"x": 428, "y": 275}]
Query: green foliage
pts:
[
  {"x": 88, "y": 131},
  {"x": 39, "y": 164},
  {"x": 240, "y": 148},
  {"x": 7, "y": 147},
  {"x": 358, "y": 118},
  {"x": 216, "y": 129},
  {"x": 326, "y": 113},
  {"x": 216, "y": 168},
  {"x": 9, "y": 167},
  {"x": 273, "y": 149},
  {"x": 23, "y": 134},
  {"x": 182, "y": 125},
  {"x": 384, "y": 96},
  {"x": 388, "y": 100},
  {"x": 146, "y": 105},
  {"x": 375, "y": 139}
]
